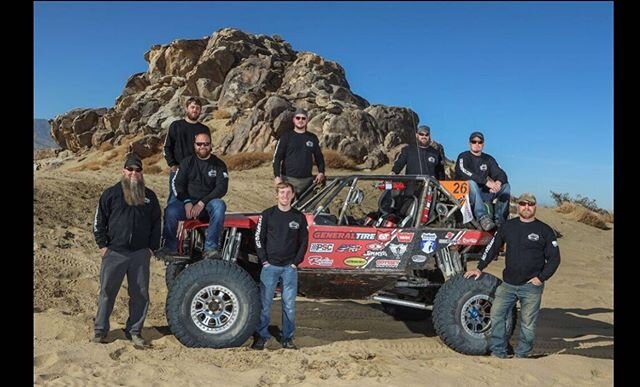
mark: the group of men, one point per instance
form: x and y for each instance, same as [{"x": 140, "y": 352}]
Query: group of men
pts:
[{"x": 127, "y": 224}]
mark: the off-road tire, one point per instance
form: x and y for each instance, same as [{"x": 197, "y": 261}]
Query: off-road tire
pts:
[
  {"x": 172, "y": 271},
  {"x": 213, "y": 304},
  {"x": 461, "y": 313}
]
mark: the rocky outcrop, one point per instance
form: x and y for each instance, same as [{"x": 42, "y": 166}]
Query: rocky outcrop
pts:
[{"x": 250, "y": 85}]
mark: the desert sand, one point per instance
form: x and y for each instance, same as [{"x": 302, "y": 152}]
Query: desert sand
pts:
[{"x": 342, "y": 343}]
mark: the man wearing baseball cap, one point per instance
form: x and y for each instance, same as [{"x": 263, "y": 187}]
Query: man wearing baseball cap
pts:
[
  {"x": 532, "y": 257},
  {"x": 487, "y": 181}
]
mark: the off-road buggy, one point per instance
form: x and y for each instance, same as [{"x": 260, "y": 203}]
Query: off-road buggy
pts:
[{"x": 397, "y": 239}]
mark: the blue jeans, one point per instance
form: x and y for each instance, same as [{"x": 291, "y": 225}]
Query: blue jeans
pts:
[
  {"x": 172, "y": 196},
  {"x": 214, "y": 211},
  {"x": 530, "y": 297},
  {"x": 268, "y": 281},
  {"x": 478, "y": 196}
]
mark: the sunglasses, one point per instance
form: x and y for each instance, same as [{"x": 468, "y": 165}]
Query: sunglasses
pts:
[
  {"x": 522, "y": 204},
  {"x": 132, "y": 169},
  {"x": 300, "y": 118},
  {"x": 203, "y": 143},
  {"x": 423, "y": 134},
  {"x": 477, "y": 142}
]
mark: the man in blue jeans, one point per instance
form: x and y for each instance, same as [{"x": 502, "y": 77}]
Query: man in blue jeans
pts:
[
  {"x": 281, "y": 241},
  {"x": 532, "y": 257},
  {"x": 487, "y": 181},
  {"x": 200, "y": 183}
]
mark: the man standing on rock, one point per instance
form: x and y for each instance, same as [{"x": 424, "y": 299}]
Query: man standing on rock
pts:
[
  {"x": 422, "y": 158},
  {"x": 127, "y": 231},
  {"x": 295, "y": 153},
  {"x": 179, "y": 141},
  {"x": 532, "y": 258},
  {"x": 200, "y": 183},
  {"x": 281, "y": 240}
]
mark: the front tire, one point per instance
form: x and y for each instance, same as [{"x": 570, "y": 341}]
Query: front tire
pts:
[
  {"x": 213, "y": 304},
  {"x": 462, "y": 313}
]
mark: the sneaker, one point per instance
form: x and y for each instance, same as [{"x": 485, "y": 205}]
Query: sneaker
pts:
[
  {"x": 258, "y": 343},
  {"x": 288, "y": 344},
  {"x": 486, "y": 223},
  {"x": 99, "y": 338},
  {"x": 137, "y": 340},
  {"x": 212, "y": 254},
  {"x": 519, "y": 356}
]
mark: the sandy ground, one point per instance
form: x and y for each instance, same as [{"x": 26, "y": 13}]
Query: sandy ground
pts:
[{"x": 343, "y": 343}]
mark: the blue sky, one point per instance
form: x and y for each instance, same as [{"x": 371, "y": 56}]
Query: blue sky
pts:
[{"x": 535, "y": 77}]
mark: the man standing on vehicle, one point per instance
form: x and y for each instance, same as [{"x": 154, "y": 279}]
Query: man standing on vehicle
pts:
[
  {"x": 295, "y": 154},
  {"x": 532, "y": 257},
  {"x": 422, "y": 158},
  {"x": 127, "y": 231},
  {"x": 281, "y": 241},
  {"x": 179, "y": 141},
  {"x": 487, "y": 181},
  {"x": 200, "y": 183}
]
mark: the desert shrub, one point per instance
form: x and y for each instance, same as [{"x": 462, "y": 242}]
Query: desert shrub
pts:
[
  {"x": 591, "y": 218},
  {"x": 242, "y": 161},
  {"x": 333, "y": 159},
  {"x": 566, "y": 208}
]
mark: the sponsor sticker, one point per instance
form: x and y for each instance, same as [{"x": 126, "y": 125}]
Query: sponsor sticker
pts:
[
  {"x": 320, "y": 261},
  {"x": 355, "y": 261},
  {"x": 374, "y": 254},
  {"x": 419, "y": 258},
  {"x": 470, "y": 241},
  {"x": 387, "y": 263},
  {"x": 348, "y": 248},
  {"x": 321, "y": 248},
  {"x": 533, "y": 237},
  {"x": 428, "y": 247},
  {"x": 405, "y": 237},
  {"x": 344, "y": 235},
  {"x": 383, "y": 236},
  {"x": 375, "y": 246},
  {"x": 428, "y": 236},
  {"x": 397, "y": 249}
]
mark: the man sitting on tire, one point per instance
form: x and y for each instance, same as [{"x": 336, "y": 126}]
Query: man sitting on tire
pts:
[{"x": 281, "y": 241}]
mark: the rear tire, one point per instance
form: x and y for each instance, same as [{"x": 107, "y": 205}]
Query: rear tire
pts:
[
  {"x": 461, "y": 313},
  {"x": 171, "y": 272},
  {"x": 213, "y": 304}
]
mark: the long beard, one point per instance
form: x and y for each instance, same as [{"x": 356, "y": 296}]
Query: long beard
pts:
[{"x": 133, "y": 191}]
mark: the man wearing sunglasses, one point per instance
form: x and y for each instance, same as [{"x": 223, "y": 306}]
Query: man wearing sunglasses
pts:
[
  {"x": 179, "y": 141},
  {"x": 422, "y": 158},
  {"x": 487, "y": 181},
  {"x": 199, "y": 185},
  {"x": 127, "y": 230},
  {"x": 532, "y": 257},
  {"x": 295, "y": 154}
]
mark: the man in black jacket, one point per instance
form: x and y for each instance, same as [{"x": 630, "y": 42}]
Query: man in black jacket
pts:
[
  {"x": 179, "y": 141},
  {"x": 295, "y": 153},
  {"x": 127, "y": 231},
  {"x": 200, "y": 183},
  {"x": 422, "y": 158},
  {"x": 531, "y": 259},
  {"x": 281, "y": 241},
  {"x": 487, "y": 181}
]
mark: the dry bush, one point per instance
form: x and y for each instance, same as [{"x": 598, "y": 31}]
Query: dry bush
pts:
[
  {"x": 154, "y": 159},
  {"x": 243, "y": 161},
  {"x": 592, "y": 219},
  {"x": 566, "y": 208},
  {"x": 608, "y": 217},
  {"x": 333, "y": 159},
  {"x": 89, "y": 166},
  {"x": 105, "y": 146},
  {"x": 221, "y": 114}
]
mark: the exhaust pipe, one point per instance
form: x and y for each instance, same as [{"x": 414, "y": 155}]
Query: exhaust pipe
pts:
[{"x": 408, "y": 304}]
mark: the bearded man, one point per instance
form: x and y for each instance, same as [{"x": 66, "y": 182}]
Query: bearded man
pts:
[{"x": 127, "y": 230}]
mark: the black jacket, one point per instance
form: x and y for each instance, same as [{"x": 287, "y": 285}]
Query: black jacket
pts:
[
  {"x": 126, "y": 228},
  {"x": 295, "y": 153},
  {"x": 179, "y": 141},
  {"x": 479, "y": 168},
  {"x": 198, "y": 179},
  {"x": 420, "y": 161},
  {"x": 532, "y": 251},
  {"x": 281, "y": 237}
]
